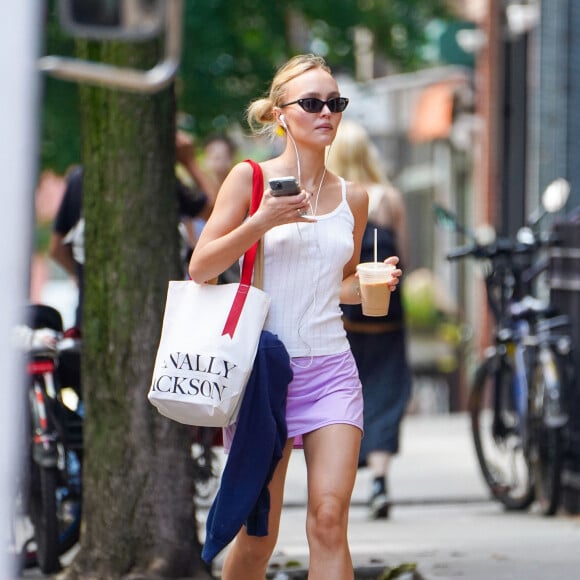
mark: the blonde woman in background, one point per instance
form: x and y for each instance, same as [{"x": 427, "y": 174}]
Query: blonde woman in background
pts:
[{"x": 378, "y": 344}]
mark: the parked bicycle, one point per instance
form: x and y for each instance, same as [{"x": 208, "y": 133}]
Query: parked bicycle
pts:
[
  {"x": 517, "y": 402},
  {"x": 50, "y": 484}
]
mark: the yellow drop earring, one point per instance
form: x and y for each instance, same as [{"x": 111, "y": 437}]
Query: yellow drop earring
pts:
[{"x": 279, "y": 131}]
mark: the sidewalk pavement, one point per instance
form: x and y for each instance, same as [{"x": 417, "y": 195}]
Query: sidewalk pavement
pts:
[
  {"x": 442, "y": 518},
  {"x": 436, "y": 464}
]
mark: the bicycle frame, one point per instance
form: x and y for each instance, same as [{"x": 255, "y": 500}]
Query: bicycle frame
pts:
[
  {"x": 52, "y": 486},
  {"x": 42, "y": 388},
  {"x": 551, "y": 338}
]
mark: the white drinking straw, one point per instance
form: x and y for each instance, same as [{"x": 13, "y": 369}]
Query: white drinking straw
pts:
[{"x": 376, "y": 245}]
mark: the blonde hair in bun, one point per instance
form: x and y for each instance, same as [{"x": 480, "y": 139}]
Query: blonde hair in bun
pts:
[{"x": 260, "y": 113}]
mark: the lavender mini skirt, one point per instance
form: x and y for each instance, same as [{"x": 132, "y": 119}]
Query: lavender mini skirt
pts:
[{"x": 325, "y": 390}]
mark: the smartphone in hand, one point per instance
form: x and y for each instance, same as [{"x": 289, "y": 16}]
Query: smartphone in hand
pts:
[{"x": 281, "y": 186}]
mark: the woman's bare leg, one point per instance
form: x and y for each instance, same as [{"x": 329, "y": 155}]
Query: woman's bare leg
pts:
[
  {"x": 248, "y": 557},
  {"x": 332, "y": 461}
]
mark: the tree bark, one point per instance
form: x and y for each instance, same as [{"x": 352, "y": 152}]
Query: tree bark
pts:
[{"x": 138, "y": 512}]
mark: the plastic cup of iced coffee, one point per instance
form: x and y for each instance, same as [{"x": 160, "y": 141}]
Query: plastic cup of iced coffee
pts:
[{"x": 374, "y": 278}]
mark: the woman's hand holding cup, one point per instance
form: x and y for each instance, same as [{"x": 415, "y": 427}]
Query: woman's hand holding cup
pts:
[{"x": 377, "y": 281}]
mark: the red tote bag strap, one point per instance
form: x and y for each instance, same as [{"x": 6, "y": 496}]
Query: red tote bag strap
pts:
[
  {"x": 249, "y": 256},
  {"x": 257, "y": 193}
]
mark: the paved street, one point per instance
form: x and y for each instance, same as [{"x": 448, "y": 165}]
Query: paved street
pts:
[{"x": 442, "y": 519}]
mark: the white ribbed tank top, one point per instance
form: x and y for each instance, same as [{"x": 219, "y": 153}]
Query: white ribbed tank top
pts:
[{"x": 303, "y": 269}]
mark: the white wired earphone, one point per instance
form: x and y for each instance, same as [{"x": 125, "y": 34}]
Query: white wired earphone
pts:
[
  {"x": 282, "y": 119},
  {"x": 314, "y": 209},
  {"x": 285, "y": 125}
]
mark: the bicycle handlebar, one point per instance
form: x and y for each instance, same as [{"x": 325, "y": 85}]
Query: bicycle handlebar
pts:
[
  {"x": 461, "y": 252},
  {"x": 45, "y": 341},
  {"x": 500, "y": 247}
]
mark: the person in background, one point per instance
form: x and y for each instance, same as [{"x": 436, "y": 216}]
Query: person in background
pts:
[
  {"x": 312, "y": 244},
  {"x": 378, "y": 344},
  {"x": 196, "y": 192},
  {"x": 218, "y": 159},
  {"x": 219, "y": 156},
  {"x": 66, "y": 245}
]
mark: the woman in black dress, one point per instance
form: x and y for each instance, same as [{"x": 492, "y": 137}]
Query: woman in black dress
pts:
[{"x": 378, "y": 344}]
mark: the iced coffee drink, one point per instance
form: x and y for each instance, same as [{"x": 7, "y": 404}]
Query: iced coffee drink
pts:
[{"x": 374, "y": 278}]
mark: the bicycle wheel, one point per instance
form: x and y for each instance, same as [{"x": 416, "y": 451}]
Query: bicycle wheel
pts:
[
  {"x": 21, "y": 532},
  {"x": 69, "y": 504},
  {"x": 546, "y": 439},
  {"x": 68, "y": 513},
  {"x": 496, "y": 429},
  {"x": 43, "y": 514}
]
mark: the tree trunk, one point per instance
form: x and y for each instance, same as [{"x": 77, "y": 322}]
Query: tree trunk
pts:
[{"x": 138, "y": 511}]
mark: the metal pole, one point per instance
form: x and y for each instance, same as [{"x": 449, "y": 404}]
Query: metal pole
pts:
[
  {"x": 20, "y": 34},
  {"x": 151, "y": 81},
  {"x": 554, "y": 123}
]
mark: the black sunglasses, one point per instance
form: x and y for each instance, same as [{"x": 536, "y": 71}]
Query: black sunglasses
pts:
[{"x": 314, "y": 105}]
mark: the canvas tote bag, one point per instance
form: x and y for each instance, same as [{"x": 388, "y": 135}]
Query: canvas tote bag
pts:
[{"x": 208, "y": 343}]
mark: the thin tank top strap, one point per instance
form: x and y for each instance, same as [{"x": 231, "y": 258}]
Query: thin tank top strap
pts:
[{"x": 343, "y": 185}]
